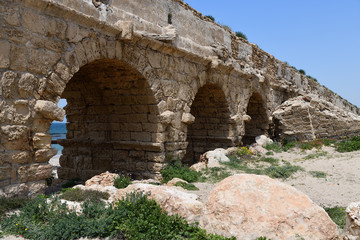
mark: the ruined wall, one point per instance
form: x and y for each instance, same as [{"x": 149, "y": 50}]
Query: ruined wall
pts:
[{"x": 143, "y": 79}]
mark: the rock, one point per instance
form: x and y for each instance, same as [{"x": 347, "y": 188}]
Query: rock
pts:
[
  {"x": 104, "y": 179},
  {"x": 49, "y": 110},
  {"x": 215, "y": 157},
  {"x": 187, "y": 118},
  {"x": 352, "y": 227},
  {"x": 257, "y": 149},
  {"x": 198, "y": 166},
  {"x": 174, "y": 181},
  {"x": 43, "y": 155},
  {"x": 249, "y": 206},
  {"x": 263, "y": 140},
  {"x": 171, "y": 199}
]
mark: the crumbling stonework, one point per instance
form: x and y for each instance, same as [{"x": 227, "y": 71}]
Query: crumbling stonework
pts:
[{"x": 139, "y": 84}]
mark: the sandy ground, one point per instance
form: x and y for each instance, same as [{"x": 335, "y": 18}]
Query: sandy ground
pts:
[{"x": 340, "y": 187}]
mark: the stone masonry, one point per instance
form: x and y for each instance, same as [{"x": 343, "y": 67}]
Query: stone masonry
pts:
[{"x": 143, "y": 80}]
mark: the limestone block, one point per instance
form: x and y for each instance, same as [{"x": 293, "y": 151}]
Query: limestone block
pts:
[
  {"x": 40, "y": 61},
  {"x": 26, "y": 85},
  {"x": 36, "y": 188},
  {"x": 72, "y": 62},
  {"x": 33, "y": 21},
  {"x": 11, "y": 16},
  {"x": 63, "y": 71},
  {"x": 4, "y": 54},
  {"x": 5, "y": 172},
  {"x": 8, "y": 81},
  {"x": 41, "y": 140},
  {"x": 41, "y": 125},
  {"x": 166, "y": 117},
  {"x": 352, "y": 226},
  {"x": 18, "y": 58},
  {"x": 34, "y": 172},
  {"x": 20, "y": 157},
  {"x": 126, "y": 28},
  {"x": 187, "y": 118},
  {"x": 49, "y": 110},
  {"x": 56, "y": 83},
  {"x": 15, "y": 137},
  {"x": 43, "y": 155},
  {"x": 154, "y": 166},
  {"x": 16, "y": 190}
]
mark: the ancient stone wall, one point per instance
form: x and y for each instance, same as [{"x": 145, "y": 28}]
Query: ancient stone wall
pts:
[{"x": 143, "y": 79}]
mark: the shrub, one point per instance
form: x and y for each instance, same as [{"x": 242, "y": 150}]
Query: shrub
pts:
[
  {"x": 241, "y": 35},
  {"x": 8, "y": 204},
  {"x": 350, "y": 145},
  {"x": 227, "y": 27},
  {"x": 302, "y": 71},
  {"x": 187, "y": 186},
  {"x": 338, "y": 215},
  {"x": 80, "y": 195},
  {"x": 175, "y": 169},
  {"x": 318, "y": 174},
  {"x": 122, "y": 181},
  {"x": 284, "y": 171},
  {"x": 210, "y": 17},
  {"x": 275, "y": 146}
]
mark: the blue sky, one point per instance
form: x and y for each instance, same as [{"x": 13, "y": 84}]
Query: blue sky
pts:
[{"x": 320, "y": 36}]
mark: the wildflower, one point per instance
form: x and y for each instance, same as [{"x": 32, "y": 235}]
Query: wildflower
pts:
[
  {"x": 16, "y": 224},
  {"x": 25, "y": 229}
]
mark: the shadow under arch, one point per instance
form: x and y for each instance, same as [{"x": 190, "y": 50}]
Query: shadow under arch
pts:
[
  {"x": 259, "y": 123},
  {"x": 112, "y": 124},
  {"x": 212, "y": 127}
]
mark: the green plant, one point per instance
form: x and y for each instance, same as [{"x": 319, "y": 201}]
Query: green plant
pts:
[
  {"x": 349, "y": 145},
  {"x": 263, "y": 238},
  {"x": 227, "y": 27},
  {"x": 338, "y": 215},
  {"x": 122, "y": 181},
  {"x": 8, "y": 204},
  {"x": 318, "y": 174},
  {"x": 315, "y": 155},
  {"x": 187, "y": 186},
  {"x": 275, "y": 146},
  {"x": 210, "y": 17},
  {"x": 269, "y": 153},
  {"x": 241, "y": 35},
  {"x": 175, "y": 169},
  {"x": 269, "y": 160},
  {"x": 329, "y": 142},
  {"x": 284, "y": 171},
  {"x": 302, "y": 71},
  {"x": 80, "y": 195},
  {"x": 215, "y": 174}
]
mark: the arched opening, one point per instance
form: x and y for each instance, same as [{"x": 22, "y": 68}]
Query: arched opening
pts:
[
  {"x": 212, "y": 126},
  {"x": 112, "y": 122},
  {"x": 258, "y": 124}
]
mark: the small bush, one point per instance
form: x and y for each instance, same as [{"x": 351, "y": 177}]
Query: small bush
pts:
[
  {"x": 227, "y": 27},
  {"x": 122, "y": 181},
  {"x": 80, "y": 195},
  {"x": 318, "y": 174},
  {"x": 269, "y": 153},
  {"x": 282, "y": 171},
  {"x": 241, "y": 35},
  {"x": 302, "y": 71},
  {"x": 275, "y": 146},
  {"x": 315, "y": 155},
  {"x": 8, "y": 204},
  {"x": 329, "y": 142},
  {"x": 210, "y": 17},
  {"x": 338, "y": 215},
  {"x": 187, "y": 186},
  {"x": 350, "y": 145},
  {"x": 175, "y": 169}
]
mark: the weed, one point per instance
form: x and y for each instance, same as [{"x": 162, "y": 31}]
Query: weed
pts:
[
  {"x": 263, "y": 238},
  {"x": 284, "y": 171},
  {"x": 329, "y": 142},
  {"x": 8, "y": 204},
  {"x": 349, "y": 145},
  {"x": 175, "y": 169},
  {"x": 80, "y": 195},
  {"x": 227, "y": 27},
  {"x": 187, "y": 186},
  {"x": 318, "y": 174},
  {"x": 269, "y": 160},
  {"x": 275, "y": 146},
  {"x": 215, "y": 174},
  {"x": 241, "y": 35},
  {"x": 338, "y": 215},
  {"x": 122, "y": 181},
  {"x": 269, "y": 153},
  {"x": 210, "y": 17},
  {"x": 315, "y": 155}
]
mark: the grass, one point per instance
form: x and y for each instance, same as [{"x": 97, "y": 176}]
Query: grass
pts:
[
  {"x": 215, "y": 174},
  {"x": 133, "y": 217},
  {"x": 175, "y": 169},
  {"x": 284, "y": 171},
  {"x": 122, "y": 181},
  {"x": 349, "y": 145},
  {"x": 318, "y": 174},
  {"x": 338, "y": 215},
  {"x": 269, "y": 160},
  {"x": 187, "y": 186},
  {"x": 80, "y": 195},
  {"x": 315, "y": 155}
]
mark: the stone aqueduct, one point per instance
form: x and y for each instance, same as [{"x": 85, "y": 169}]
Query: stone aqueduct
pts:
[{"x": 142, "y": 79}]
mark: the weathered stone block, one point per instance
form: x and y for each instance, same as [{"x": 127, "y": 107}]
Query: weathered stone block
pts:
[
  {"x": 41, "y": 140},
  {"x": 21, "y": 157},
  {"x": 27, "y": 84},
  {"x": 49, "y": 110},
  {"x": 8, "y": 81},
  {"x": 33, "y": 21},
  {"x": 44, "y": 155},
  {"x": 14, "y": 137},
  {"x": 40, "y": 61},
  {"x": 34, "y": 172},
  {"x": 18, "y": 58},
  {"x": 5, "y": 172},
  {"x": 4, "y": 54}
]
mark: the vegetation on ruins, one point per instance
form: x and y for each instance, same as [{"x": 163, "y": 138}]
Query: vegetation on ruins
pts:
[
  {"x": 210, "y": 17},
  {"x": 338, "y": 215},
  {"x": 241, "y": 35},
  {"x": 134, "y": 217},
  {"x": 122, "y": 181},
  {"x": 80, "y": 195},
  {"x": 187, "y": 186},
  {"x": 175, "y": 169},
  {"x": 348, "y": 145}
]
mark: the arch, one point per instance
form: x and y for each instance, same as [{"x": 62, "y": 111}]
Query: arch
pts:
[
  {"x": 212, "y": 127},
  {"x": 258, "y": 123},
  {"x": 113, "y": 122}
]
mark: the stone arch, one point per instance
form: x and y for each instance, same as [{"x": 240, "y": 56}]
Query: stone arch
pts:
[
  {"x": 257, "y": 121},
  {"x": 212, "y": 127},
  {"x": 113, "y": 122}
]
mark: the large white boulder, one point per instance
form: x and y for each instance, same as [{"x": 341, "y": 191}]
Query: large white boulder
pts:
[
  {"x": 249, "y": 206},
  {"x": 352, "y": 227}
]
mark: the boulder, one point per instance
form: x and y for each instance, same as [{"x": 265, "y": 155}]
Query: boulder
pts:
[
  {"x": 215, "y": 157},
  {"x": 171, "y": 199},
  {"x": 257, "y": 149},
  {"x": 352, "y": 227},
  {"x": 198, "y": 166},
  {"x": 49, "y": 110},
  {"x": 174, "y": 181},
  {"x": 104, "y": 179},
  {"x": 249, "y": 206},
  {"x": 263, "y": 140}
]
